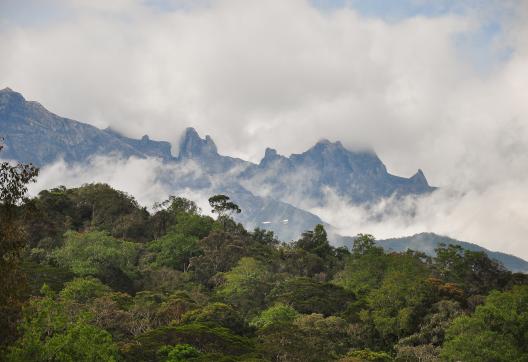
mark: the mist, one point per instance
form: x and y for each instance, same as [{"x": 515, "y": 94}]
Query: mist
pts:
[{"x": 461, "y": 214}]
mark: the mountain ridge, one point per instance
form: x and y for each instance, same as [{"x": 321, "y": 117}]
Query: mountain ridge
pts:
[
  {"x": 428, "y": 241},
  {"x": 274, "y": 193},
  {"x": 33, "y": 134}
]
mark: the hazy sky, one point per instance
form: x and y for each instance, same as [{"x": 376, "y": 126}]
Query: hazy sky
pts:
[{"x": 438, "y": 85}]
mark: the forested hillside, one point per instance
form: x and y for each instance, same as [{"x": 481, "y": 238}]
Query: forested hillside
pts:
[{"x": 88, "y": 274}]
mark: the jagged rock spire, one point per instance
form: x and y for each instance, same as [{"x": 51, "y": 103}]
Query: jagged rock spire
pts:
[{"x": 192, "y": 145}]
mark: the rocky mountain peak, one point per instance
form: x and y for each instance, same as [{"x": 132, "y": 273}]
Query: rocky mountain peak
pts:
[
  {"x": 10, "y": 98},
  {"x": 192, "y": 145},
  {"x": 269, "y": 155},
  {"x": 419, "y": 178}
]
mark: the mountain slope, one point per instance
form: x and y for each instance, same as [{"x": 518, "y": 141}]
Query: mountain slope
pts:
[
  {"x": 427, "y": 242},
  {"x": 33, "y": 134},
  {"x": 203, "y": 151},
  {"x": 302, "y": 179}
]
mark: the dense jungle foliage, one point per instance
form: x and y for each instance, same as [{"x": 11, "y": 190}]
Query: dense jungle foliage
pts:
[{"x": 89, "y": 275}]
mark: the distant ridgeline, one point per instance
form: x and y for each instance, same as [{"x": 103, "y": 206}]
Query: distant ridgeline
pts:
[
  {"x": 428, "y": 242},
  {"x": 292, "y": 184}
]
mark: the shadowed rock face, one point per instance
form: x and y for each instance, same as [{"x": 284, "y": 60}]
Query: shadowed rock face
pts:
[
  {"x": 33, "y": 134},
  {"x": 192, "y": 146},
  {"x": 203, "y": 151},
  {"x": 359, "y": 177}
]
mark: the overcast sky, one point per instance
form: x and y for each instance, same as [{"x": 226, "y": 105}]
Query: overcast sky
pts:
[{"x": 438, "y": 85}]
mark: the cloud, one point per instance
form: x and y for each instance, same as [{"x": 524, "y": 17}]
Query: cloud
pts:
[
  {"x": 284, "y": 74},
  {"x": 148, "y": 180},
  {"x": 226, "y": 70},
  {"x": 494, "y": 218}
]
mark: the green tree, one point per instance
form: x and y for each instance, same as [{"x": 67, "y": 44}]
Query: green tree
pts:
[
  {"x": 309, "y": 296},
  {"x": 474, "y": 271},
  {"x": 315, "y": 242},
  {"x": 365, "y": 244},
  {"x": 179, "y": 353},
  {"x": 204, "y": 337},
  {"x": 497, "y": 331},
  {"x": 425, "y": 344},
  {"x": 218, "y": 314},
  {"x": 110, "y": 312},
  {"x": 220, "y": 252},
  {"x": 365, "y": 268},
  {"x": 398, "y": 305},
  {"x": 102, "y": 207},
  {"x": 246, "y": 285},
  {"x": 221, "y": 205},
  {"x": 362, "y": 355},
  {"x": 83, "y": 290},
  {"x": 174, "y": 250},
  {"x": 299, "y": 262},
  {"x": 277, "y": 314},
  {"x": 14, "y": 180},
  {"x": 49, "y": 216},
  {"x": 48, "y": 333},
  {"x": 98, "y": 254},
  {"x": 328, "y": 336},
  {"x": 224, "y": 208},
  {"x": 175, "y": 307},
  {"x": 91, "y": 252},
  {"x": 178, "y": 211},
  {"x": 198, "y": 226}
]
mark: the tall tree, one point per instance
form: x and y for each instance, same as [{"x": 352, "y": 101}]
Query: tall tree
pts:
[
  {"x": 50, "y": 333},
  {"x": 315, "y": 242},
  {"x": 223, "y": 207}
]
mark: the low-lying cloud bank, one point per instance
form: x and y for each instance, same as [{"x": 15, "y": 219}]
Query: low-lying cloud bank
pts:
[
  {"x": 494, "y": 217},
  {"x": 148, "y": 180}
]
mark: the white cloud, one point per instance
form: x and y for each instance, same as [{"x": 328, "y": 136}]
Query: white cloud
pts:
[
  {"x": 284, "y": 74},
  {"x": 494, "y": 218},
  {"x": 148, "y": 180}
]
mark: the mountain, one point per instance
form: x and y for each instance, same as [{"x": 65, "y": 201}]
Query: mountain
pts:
[
  {"x": 33, "y": 134},
  {"x": 428, "y": 242},
  {"x": 302, "y": 179},
  {"x": 285, "y": 220},
  {"x": 203, "y": 151},
  {"x": 273, "y": 194}
]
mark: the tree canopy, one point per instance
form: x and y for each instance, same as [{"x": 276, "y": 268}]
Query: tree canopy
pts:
[{"x": 111, "y": 280}]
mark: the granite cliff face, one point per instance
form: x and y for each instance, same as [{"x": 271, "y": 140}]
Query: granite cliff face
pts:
[
  {"x": 357, "y": 176},
  {"x": 33, "y": 134},
  {"x": 203, "y": 151}
]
